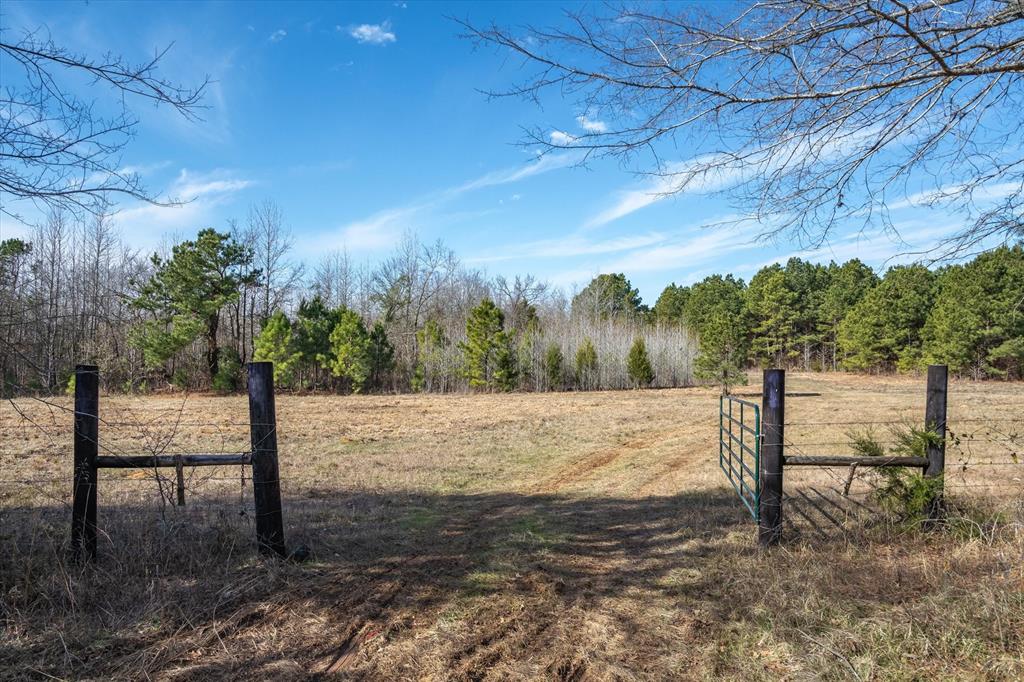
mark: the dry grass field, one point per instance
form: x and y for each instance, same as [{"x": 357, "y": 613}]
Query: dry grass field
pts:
[{"x": 573, "y": 536}]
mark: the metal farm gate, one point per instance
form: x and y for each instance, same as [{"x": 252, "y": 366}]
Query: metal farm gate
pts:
[{"x": 739, "y": 449}]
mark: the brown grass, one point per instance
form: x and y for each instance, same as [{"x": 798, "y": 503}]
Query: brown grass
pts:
[{"x": 586, "y": 536}]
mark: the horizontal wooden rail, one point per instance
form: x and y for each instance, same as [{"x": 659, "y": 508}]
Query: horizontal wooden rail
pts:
[
  {"x": 149, "y": 461},
  {"x": 832, "y": 461}
]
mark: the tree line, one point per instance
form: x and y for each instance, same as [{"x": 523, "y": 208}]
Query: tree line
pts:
[
  {"x": 190, "y": 315},
  {"x": 969, "y": 316}
]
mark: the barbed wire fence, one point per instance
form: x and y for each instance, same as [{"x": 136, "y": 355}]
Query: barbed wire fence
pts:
[{"x": 146, "y": 450}]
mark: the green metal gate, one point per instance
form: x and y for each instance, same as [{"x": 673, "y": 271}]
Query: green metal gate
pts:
[{"x": 739, "y": 449}]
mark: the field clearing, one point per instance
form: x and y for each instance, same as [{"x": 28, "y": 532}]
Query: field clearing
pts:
[{"x": 571, "y": 536}]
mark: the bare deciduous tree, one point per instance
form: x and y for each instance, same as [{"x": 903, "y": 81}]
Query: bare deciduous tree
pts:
[
  {"x": 64, "y": 152},
  {"x": 808, "y": 113}
]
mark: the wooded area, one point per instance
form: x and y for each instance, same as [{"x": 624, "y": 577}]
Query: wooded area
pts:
[{"x": 192, "y": 314}]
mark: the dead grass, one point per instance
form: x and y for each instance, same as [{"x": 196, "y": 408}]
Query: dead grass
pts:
[{"x": 563, "y": 536}]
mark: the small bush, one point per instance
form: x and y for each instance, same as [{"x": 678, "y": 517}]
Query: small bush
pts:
[
  {"x": 638, "y": 364},
  {"x": 229, "y": 372},
  {"x": 903, "y": 492},
  {"x": 70, "y": 390},
  {"x": 554, "y": 366}
]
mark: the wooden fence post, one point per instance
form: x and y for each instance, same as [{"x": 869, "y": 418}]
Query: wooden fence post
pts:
[
  {"x": 773, "y": 420},
  {"x": 86, "y": 444},
  {"x": 935, "y": 421},
  {"x": 265, "y": 476}
]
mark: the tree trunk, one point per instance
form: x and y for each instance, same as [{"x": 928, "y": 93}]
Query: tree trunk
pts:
[{"x": 212, "y": 350}]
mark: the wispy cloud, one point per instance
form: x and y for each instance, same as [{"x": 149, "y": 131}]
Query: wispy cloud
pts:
[
  {"x": 384, "y": 227},
  {"x": 568, "y": 247},
  {"x": 198, "y": 193},
  {"x": 373, "y": 34},
  {"x": 994, "y": 191},
  {"x": 561, "y": 139},
  {"x": 278, "y": 35},
  {"x": 592, "y": 125},
  {"x": 676, "y": 179}
]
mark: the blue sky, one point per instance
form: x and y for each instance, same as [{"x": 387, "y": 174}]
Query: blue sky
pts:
[{"x": 364, "y": 120}]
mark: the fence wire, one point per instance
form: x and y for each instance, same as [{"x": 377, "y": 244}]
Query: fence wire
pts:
[{"x": 36, "y": 462}]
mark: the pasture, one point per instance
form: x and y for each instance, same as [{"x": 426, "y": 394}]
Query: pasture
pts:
[{"x": 569, "y": 536}]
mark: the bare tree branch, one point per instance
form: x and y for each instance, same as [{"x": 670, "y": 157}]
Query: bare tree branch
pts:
[
  {"x": 60, "y": 151},
  {"x": 806, "y": 113}
]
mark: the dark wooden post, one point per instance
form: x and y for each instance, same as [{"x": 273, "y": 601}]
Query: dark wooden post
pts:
[
  {"x": 265, "y": 477},
  {"x": 935, "y": 421},
  {"x": 87, "y": 434},
  {"x": 773, "y": 420}
]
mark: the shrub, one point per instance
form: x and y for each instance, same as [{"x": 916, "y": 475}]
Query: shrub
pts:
[
  {"x": 638, "y": 364},
  {"x": 229, "y": 372},
  {"x": 586, "y": 365},
  {"x": 899, "y": 490},
  {"x": 554, "y": 367}
]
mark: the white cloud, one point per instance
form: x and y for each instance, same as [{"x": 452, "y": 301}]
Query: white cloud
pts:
[
  {"x": 710, "y": 243},
  {"x": 278, "y": 35},
  {"x": 561, "y": 139},
  {"x": 676, "y": 179},
  {"x": 592, "y": 125},
  {"x": 508, "y": 175},
  {"x": 198, "y": 194},
  {"x": 568, "y": 247},
  {"x": 384, "y": 227},
  {"x": 373, "y": 34},
  {"x": 985, "y": 193}
]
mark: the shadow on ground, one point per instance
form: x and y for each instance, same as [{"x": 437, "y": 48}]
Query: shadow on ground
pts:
[{"x": 381, "y": 565}]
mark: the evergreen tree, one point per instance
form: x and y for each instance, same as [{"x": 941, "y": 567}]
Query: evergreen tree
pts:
[
  {"x": 586, "y": 365},
  {"x": 717, "y": 311},
  {"x": 485, "y": 340},
  {"x": 228, "y": 378},
  {"x": 712, "y": 296},
  {"x": 506, "y": 367},
  {"x": 276, "y": 344},
  {"x": 186, "y": 294},
  {"x": 772, "y": 307},
  {"x": 381, "y": 356},
  {"x": 977, "y": 322},
  {"x": 848, "y": 283},
  {"x": 608, "y": 297},
  {"x": 883, "y": 330},
  {"x": 638, "y": 364},
  {"x": 671, "y": 304},
  {"x": 808, "y": 282},
  {"x": 312, "y": 335},
  {"x": 350, "y": 351},
  {"x": 554, "y": 367},
  {"x": 723, "y": 351}
]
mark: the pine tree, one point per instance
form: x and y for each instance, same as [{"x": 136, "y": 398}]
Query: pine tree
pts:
[
  {"x": 506, "y": 366},
  {"x": 381, "y": 356},
  {"x": 485, "y": 339},
  {"x": 722, "y": 356},
  {"x": 586, "y": 365},
  {"x": 671, "y": 304},
  {"x": 608, "y": 297},
  {"x": 772, "y": 307},
  {"x": 350, "y": 351},
  {"x": 276, "y": 344},
  {"x": 312, "y": 335},
  {"x": 977, "y": 324},
  {"x": 638, "y": 364},
  {"x": 554, "y": 367},
  {"x": 883, "y": 331},
  {"x": 186, "y": 295},
  {"x": 847, "y": 285}
]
